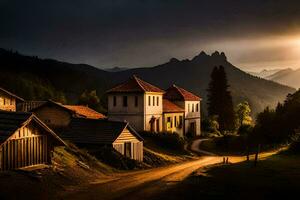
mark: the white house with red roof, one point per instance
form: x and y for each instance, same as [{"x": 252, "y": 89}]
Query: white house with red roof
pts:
[
  {"x": 190, "y": 103},
  {"x": 138, "y": 103},
  {"x": 149, "y": 108}
]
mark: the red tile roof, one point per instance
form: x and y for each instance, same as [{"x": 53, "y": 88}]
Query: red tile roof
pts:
[
  {"x": 135, "y": 84},
  {"x": 169, "y": 107},
  {"x": 85, "y": 111},
  {"x": 175, "y": 93}
]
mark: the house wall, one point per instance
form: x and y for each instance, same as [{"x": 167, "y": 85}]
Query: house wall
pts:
[
  {"x": 52, "y": 116},
  {"x": 152, "y": 109},
  {"x": 173, "y": 127},
  {"x": 190, "y": 116},
  {"x": 136, "y": 145},
  {"x": 7, "y": 102},
  {"x": 26, "y": 147},
  {"x": 132, "y": 113}
]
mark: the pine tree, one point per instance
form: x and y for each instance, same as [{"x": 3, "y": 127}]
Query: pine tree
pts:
[{"x": 220, "y": 100}]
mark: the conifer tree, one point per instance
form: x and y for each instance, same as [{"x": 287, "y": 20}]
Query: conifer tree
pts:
[{"x": 220, "y": 100}]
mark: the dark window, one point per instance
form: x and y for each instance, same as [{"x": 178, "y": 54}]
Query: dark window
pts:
[
  {"x": 149, "y": 100},
  {"x": 115, "y": 101},
  {"x": 175, "y": 121},
  {"x": 127, "y": 149},
  {"x": 136, "y": 101},
  {"x": 169, "y": 121},
  {"x": 197, "y": 107},
  {"x": 157, "y": 101},
  {"x": 153, "y": 101},
  {"x": 180, "y": 121},
  {"x": 125, "y": 103},
  {"x": 193, "y": 108}
]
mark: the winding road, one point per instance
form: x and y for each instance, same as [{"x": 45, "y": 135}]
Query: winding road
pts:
[{"x": 145, "y": 183}]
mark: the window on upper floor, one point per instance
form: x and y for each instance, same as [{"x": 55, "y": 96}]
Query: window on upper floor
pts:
[
  {"x": 125, "y": 101},
  {"x": 157, "y": 101},
  {"x": 175, "y": 121},
  {"x": 197, "y": 107},
  {"x": 115, "y": 101},
  {"x": 153, "y": 100},
  {"x": 149, "y": 100},
  {"x": 136, "y": 101},
  {"x": 193, "y": 110}
]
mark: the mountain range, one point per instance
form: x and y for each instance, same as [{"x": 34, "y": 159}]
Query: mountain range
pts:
[
  {"x": 72, "y": 79},
  {"x": 287, "y": 76}
]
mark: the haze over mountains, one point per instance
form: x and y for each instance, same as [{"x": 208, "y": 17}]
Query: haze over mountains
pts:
[
  {"x": 194, "y": 75},
  {"x": 287, "y": 76}
]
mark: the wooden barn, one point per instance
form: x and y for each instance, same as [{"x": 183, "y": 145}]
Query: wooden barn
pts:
[
  {"x": 25, "y": 141},
  {"x": 8, "y": 100},
  {"x": 57, "y": 115},
  {"x": 97, "y": 133}
]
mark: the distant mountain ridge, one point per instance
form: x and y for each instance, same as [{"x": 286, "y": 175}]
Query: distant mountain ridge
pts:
[
  {"x": 288, "y": 77},
  {"x": 265, "y": 73},
  {"x": 194, "y": 75}
]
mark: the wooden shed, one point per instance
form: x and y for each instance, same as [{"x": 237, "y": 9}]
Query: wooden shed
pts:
[
  {"x": 25, "y": 141},
  {"x": 8, "y": 100},
  {"x": 120, "y": 135}
]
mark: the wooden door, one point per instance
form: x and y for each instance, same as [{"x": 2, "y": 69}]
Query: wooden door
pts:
[{"x": 127, "y": 149}]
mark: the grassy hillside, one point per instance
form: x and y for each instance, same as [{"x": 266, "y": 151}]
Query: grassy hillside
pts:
[{"x": 72, "y": 79}]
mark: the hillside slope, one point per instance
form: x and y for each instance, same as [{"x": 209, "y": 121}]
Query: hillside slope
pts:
[{"x": 194, "y": 75}]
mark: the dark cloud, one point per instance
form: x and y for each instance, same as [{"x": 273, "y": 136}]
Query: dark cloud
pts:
[{"x": 137, "y": 32}]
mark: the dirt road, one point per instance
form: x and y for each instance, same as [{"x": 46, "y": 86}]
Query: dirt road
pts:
[{"x": 143, "y": 184}]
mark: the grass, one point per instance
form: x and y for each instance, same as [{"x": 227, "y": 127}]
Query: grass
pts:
[{"x": 275, "y": 177}]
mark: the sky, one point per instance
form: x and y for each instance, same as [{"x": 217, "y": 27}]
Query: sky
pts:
[{"x": 255, "y": 35}]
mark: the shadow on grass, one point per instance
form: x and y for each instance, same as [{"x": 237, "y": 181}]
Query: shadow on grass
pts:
[{"x": 275, "y": 178}]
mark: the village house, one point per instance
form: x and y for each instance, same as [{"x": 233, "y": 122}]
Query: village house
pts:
[
  {"x": 93, "y": 134},
  {"x": 191, "y": 105},
  {"x": 25, "y": 141},
  {"x": 149, "y": 108},
  {"x": 138, "y": 103},
  {"x": 57, "y": 115},
  {"x": 8, "y": 100}
]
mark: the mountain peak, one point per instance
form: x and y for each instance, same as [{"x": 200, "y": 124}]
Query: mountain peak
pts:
[{"x": 219, "y": 55}]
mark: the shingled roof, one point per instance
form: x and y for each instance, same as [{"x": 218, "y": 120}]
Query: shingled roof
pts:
[
  {"x": 11, "y": 94},
  {"x": 91, "y": 131},
  {"x": 175, "y": 93},
  {"x": 10, "y": 122},
  {"x": 169, "y": 107},
  {"x": 135, "y": 84}
]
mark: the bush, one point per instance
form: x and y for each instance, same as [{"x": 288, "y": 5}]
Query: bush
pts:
[
  {"x": 245, "y": 130},
  {"x": 170, "y": 141}
]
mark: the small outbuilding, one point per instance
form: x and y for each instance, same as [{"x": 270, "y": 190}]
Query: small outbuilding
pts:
[
  {"x": 25, "y": 141},
  {"x": 8, "y": 100},
  {"x": 57, "y": 115},
  {"x": 93, "y": 134}
]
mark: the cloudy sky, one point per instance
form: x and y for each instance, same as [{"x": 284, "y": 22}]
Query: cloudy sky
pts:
[{"x": 254, "y": 34}]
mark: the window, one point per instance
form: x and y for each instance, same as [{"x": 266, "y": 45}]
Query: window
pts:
[
  {"x": 149, "y": 101},
  {"x": 136, "y": 101},
  {"x": 197, "y": 107},
  {"x": 115, "y": 101},
  {"x": 180, "y": 121},
  {"x": 193, "y": 110},
  {"x": 175, "y": 121},
  {"x": 153, "y": 101},
  {"x": 125, "y": 103},
  {"x": 157, "y": 101},
  {"x": 169, "y": 121}
]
